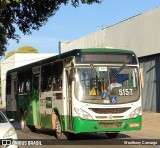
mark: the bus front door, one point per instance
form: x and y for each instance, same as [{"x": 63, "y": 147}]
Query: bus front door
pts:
[
  {"x": 69, "y": 99},
  {"x": 35, "y": 101}
]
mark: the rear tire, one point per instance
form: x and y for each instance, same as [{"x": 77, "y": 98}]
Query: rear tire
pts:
[
  {"x": 23, "y": 125},
  {"x": 59, "y": 133},
  {"x": 32, "y": 128},
  {"x": 112, "y": 135}
]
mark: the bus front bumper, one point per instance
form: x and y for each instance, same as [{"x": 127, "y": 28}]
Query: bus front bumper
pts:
[{"x": 80, "y": 125}]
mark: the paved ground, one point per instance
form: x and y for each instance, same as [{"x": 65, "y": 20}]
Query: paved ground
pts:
[{"x": 151, "y": 121}]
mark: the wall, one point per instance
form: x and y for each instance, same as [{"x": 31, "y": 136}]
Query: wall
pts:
[{"x": 150, "y": 92}]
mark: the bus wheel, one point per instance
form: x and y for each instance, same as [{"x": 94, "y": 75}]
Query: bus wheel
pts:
[
  {"x": 59, "y": 133},
  {"x": 23, "y": 125},
  {"x": 32, "y": 128},
  {"x": 112, "y": 135}
]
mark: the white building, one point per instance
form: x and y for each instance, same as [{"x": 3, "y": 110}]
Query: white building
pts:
[{"x": 17, "y": 60}]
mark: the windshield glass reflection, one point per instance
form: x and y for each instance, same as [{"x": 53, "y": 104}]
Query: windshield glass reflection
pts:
[{"x": 102, "y": 84}]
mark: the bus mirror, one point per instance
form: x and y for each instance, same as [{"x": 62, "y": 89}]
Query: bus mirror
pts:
[
  {"x": 142, "y": 77},
  {"x": 72, "y": 73}
]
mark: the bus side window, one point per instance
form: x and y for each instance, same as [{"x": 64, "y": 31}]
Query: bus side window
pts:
[
  {"x": 28, "y": 81},
  {"x": 21, "y": 83},
  {"x": 8, "y": 85},
  {"x": 57, "y": 69},
  {"x": 46, "y": 78},
  {"x": 28, "y": 85}
]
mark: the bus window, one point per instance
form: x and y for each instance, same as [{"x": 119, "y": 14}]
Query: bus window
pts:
[
  {"x": 46, "y": 78},
  {"x": 28, "y": 85},
  {"x": 57, "y": 69},
  {"x": 8, "y": 85},
  {"x": 124, "y": 76},
  {"x": 21, "y": 83},
  {"x": 28, "y": 81}
]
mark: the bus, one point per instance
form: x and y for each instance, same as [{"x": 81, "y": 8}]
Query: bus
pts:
[{"x": 71, "y": 93}]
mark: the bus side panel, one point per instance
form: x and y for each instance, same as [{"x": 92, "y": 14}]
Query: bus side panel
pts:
[
  {"x": 65, "y": 121},
  {"x": 11, "y": 108},
  {"x": 22, "y": 101},
  {"x": 25, "y": 107},
  {"x": 46, "y": 121},
  {"x": 29, "y": 116},
  {"x": 45, "y": 109}
]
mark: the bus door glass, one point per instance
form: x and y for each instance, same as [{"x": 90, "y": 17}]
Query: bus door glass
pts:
[
  {"x": 13, "y": 93},
  {"x": 35, "y": 100},
  {"x": 69, "y": 97}
]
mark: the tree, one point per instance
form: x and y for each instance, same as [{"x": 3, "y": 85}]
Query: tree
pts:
[
  {"x": 24, "y": 49},
  {"x": 9, "y": 54},
  {"x": 28, "y": 15},
  {"x": 27, "y": 49}
]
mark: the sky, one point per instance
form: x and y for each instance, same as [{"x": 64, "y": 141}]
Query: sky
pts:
[{"x": 71, "y": 23}]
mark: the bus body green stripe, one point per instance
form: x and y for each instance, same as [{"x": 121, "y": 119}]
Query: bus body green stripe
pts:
[
  {"x": 80, "y": 125},
  {"x": 46, "y": 121}
]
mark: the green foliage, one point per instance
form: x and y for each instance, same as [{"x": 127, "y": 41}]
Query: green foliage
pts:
[
  {"x": 24, "y": 49},
  {"x": 10, "y": 54},
  {"x": 28, "y": 15},
  {"x": 27, "y": 49}
]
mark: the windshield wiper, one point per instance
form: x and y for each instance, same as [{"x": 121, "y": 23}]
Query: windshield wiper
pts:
[
  {"x": 93, "y": 68},
  {"x": 119, "y": 70}
]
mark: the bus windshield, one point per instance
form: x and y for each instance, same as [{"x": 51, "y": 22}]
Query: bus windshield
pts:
[{"x": 104, "y": 84}]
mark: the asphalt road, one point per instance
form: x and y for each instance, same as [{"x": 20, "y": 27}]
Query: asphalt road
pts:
[{"x": 89, "y": 140}]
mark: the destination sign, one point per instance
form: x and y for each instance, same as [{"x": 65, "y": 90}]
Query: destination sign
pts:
[{"x": 106, "y": 58}]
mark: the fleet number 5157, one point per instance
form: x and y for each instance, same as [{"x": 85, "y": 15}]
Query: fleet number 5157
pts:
[{"x": 125, "y": 92}]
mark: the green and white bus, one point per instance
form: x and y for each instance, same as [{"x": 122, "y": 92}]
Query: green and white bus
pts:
[{"x": 69, "y": 93}]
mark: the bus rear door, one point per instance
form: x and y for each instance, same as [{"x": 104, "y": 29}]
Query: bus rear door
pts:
[{"x": 35, "y": 100}]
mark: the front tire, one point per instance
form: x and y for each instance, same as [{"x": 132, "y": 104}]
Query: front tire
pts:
[
  {"x": 59, "y": 133},
  {"x": 112, "y": 135}
]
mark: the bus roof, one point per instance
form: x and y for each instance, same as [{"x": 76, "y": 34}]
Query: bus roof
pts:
[{"x": 67, "y": 54}]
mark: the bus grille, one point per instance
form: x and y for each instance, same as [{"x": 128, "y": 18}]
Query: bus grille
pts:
[
  {"x": 109, "y": 110},
  {"x": 109, "y": 125}
]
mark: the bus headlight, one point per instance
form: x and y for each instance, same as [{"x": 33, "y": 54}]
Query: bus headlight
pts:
[
  {"x": 135, "y": 113},
  {"x": 81, "y": 113}
]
